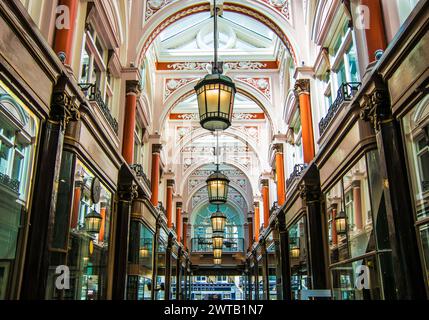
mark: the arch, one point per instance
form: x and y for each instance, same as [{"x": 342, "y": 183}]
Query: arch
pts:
[
  {"x": 201, "y": 133},
  {"x": 177, "y": 11},
  {"x": 242, "y": 88},
  {"x": 232, "y": 184},
  {"x": 196, "y": 166},
  {"x": 193, "y": 216},
  {"x": 232, "y": 204}
]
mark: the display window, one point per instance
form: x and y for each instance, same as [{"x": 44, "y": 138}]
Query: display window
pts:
[
  {"x": 357, "y": 232},
  {"x": 416, "y": 137},
  {"x": 19, "y": 130},
  {"x": 298, "y": 257}
]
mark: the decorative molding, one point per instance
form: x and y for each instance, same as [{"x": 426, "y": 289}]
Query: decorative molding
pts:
[
  {"x": 153, "y": 6},
  {"x": 282, "y": 6},
  {"x": 235, "y": 116},
  {"x": 228, "y": 66},
  {"x": 171, "y": 85},
  {"x": 263, "y": 85}
]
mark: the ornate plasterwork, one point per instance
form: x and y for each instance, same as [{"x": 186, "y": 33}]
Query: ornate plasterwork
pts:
[
  {"x": 228, "y": 66},
  {"x": 233, "y": 196},
  {"x": 263, "y": 85},
  {"x": 235, "y": 116},
  {"x": 153, "y": 6},
  {"x": 282, "y": 6},
  {"x": 174, "y": 84}
]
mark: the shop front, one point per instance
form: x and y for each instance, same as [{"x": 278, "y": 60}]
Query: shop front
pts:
[{"x": 19, "y": 136}]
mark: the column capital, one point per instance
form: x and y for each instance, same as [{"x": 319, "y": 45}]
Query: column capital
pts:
[
  {"x": 376, "y": 108},
  {"x": 264, "y": 182},
  {"x": 133, "y": 87},
  {"x": 309, "y": 193},
  {"x": 302, "y": 86},
  {"x": 156, "y": 148},
  {"x": 170, "y": 183},
  {"x": 278, "y": 147},
  {"x": 128, "y": 192},
  {"x": 179, "y": 204},
  {"x": 256, "y": 204}
]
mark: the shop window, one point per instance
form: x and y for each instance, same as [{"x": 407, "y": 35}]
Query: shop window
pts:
[
  {"x": 416, "y": 137},
  {"x": 161, "y": 260},
  {"x": 18, "y": 132},
  {"x": 349, "y": 203},
  {"x": 298, "y": 258},
  {"x": 82, "y": 230}
]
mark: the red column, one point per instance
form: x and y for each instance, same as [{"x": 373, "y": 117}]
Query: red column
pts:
[
  {"x": 130, "y": 121},
  {"x": 357, "y": 205},
  {"x": 156, "y": 149},
  {"x": 266, "y": 202},
  {"x": 76, "y": 204},
  {"x": 63, "y": 41},
  {"x": 280, "y": 172},
  {"x": 179, "y": 221},
  {"x": 302, "y": 90},
  {"x": 185, "y": 233},
  {"x": 257, "y": 222},
  {"x": 169, "y": 207},
  {"x": 103, "y": 222},
  {"x": 375, "y": 34},
  {"x": 334, "y": 227},
  {"x": 250, "y": 229}
]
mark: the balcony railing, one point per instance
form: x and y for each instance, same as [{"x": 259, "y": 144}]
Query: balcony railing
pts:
[
  {"x": 10, "y": 183},
  {"x": 138, "y": 169},
  {"x": 229, "y": 245},
  {"x": 94, "y": 94},
  {"x": 346, "y": 92},
  {"x": 297, "y": 171}
]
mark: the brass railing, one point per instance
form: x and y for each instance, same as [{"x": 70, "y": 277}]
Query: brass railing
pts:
[
  {"x": 346, "y": 92},
  {"x": 94, "y": 94}
]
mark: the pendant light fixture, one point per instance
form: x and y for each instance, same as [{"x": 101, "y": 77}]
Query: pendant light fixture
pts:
[
  {"x": 217, "y": 253},
  {"x": 217, "y": 240},
  {"x": 218, "y": 220},
  {"x": 216, "y": 92},
  {"x": 341, "y": 217},
  {"x": 217, "y": 182}
]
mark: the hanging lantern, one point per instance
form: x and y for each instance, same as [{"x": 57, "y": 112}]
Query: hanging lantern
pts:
[
  {"x": 144, "y": 252},
  {"x": 93, "y": 222},
  {"x": 295, "y": 252},
  {"x": 217, "y": 240},
  {"x": 218, "y": 220},
  {"x": 341, "y": 223},
  {"x": 215, "y": 93},
  {"x": 217, "y": 253},
  {"x": 217, "y": 185},
  {"x": 215, "y": 96},
  {"x": 217, "y": 261}
]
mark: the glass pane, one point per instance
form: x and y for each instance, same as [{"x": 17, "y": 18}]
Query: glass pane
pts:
[
  {"x": 424, "y": 240},
  {"x": 416, "y": 135},
  {"x": 84, "y": 78},
  {"x": 356, "y": 281},
  {"x": 352, "y": 61},
  {"x": 5, "y": 151},
  {"x": 298, "y": 258},
  {"x": 341, "y": 75}
]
